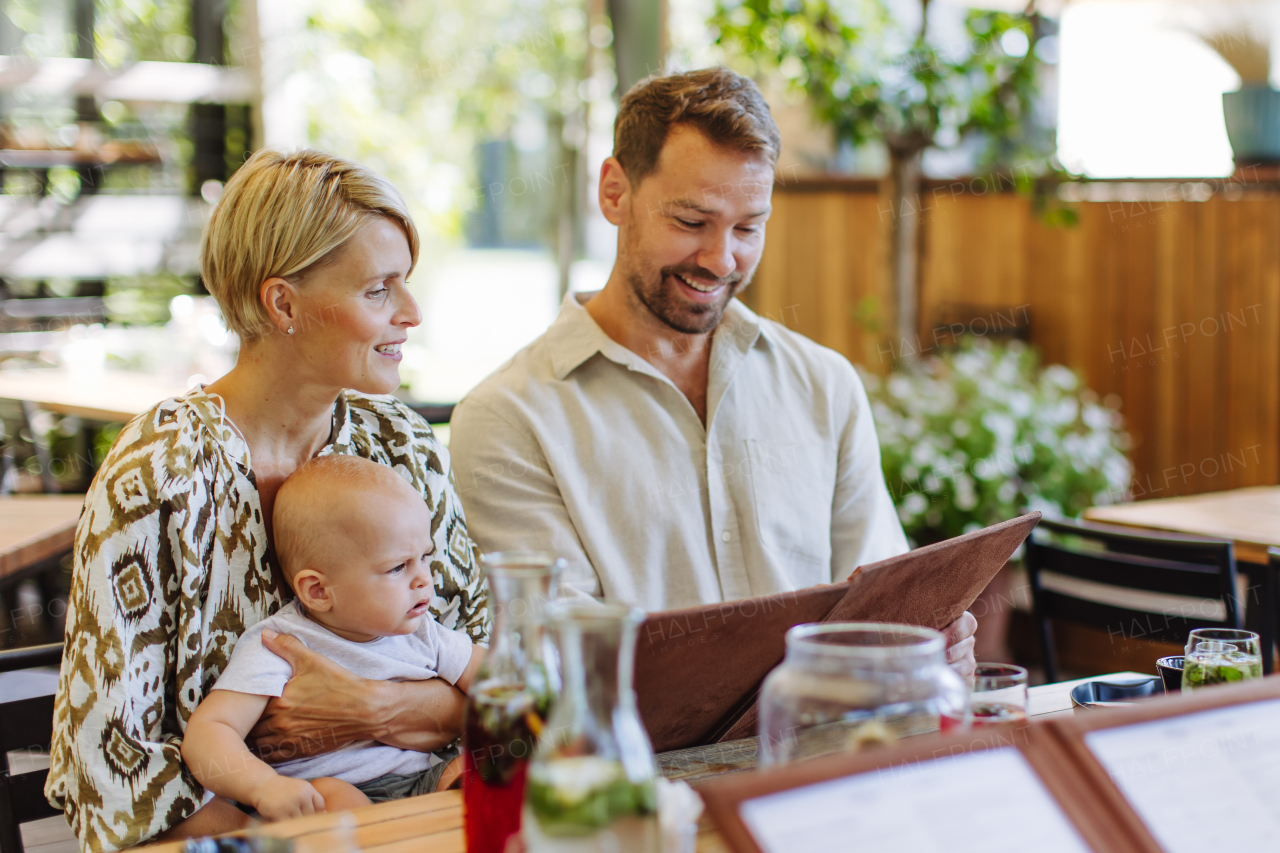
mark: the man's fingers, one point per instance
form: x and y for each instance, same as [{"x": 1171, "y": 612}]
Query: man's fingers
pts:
[
  {"x": 961, "y": 629},
  {"x": 288, "y": 647},
  {"x": 960, "y": 650}
]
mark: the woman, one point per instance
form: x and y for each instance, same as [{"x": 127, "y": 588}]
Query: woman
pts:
[{"x": 308, "y": 256}]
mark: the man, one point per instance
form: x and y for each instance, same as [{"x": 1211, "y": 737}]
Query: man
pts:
[{"x": 675, "y": 448}]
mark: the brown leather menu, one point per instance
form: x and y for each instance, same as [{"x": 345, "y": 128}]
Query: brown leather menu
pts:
[
  {"x": 997, "y": 788},
  {"x": 1193, "y": 772},
  {"x": 695, "y": 668},
  {"x": 698, "y": 670}
]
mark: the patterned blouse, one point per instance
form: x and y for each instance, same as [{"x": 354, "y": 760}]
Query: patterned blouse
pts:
[{"x": 171, "y": 565}]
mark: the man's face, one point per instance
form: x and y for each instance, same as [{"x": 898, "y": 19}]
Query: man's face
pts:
[{"x": 693, "y": 230}]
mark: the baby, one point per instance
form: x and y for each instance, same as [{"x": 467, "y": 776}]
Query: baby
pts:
[{"x": 354, "y": 540}]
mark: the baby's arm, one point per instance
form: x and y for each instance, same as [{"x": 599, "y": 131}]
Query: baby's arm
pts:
[
  {"x": 473, "y": 666},
  {"x": 215, "y": 752}
]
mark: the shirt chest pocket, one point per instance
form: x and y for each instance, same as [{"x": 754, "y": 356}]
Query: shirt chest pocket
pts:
[{"x": 792, "y": 485}]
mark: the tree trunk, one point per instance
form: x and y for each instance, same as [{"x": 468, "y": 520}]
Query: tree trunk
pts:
[
  {"x": 904, "y": 263},
  {"x": 567, "y": 227},
  {"x": 568, "y": 216}
]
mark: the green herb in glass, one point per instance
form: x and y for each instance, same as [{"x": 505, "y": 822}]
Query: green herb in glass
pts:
[
  {"x": 1220, "y": 656},
  {"x": 591, "y": 782}
]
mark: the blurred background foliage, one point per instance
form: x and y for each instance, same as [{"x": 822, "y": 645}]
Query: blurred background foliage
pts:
[{"x": 417, "y": 90}]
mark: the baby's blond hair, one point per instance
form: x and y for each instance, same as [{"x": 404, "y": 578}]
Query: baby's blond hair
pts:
[
  {"x": 286, "y": 214},
  {"x": 310, "y": 505}
]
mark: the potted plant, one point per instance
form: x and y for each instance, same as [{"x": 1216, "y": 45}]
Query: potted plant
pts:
[
  {"x": 1252, "y": 112},
  {"x": 984, "y": 433},
  {"x": 869, "y": 76}
]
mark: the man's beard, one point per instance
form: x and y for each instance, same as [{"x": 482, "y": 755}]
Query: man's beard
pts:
[{"x": 682, "y": 315}]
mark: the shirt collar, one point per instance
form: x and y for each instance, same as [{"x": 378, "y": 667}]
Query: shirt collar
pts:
[{"x": 575, "y": 337}]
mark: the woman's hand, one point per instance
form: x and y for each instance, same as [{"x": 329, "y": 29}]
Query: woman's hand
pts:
[
  {"x": 325, "y": 707},
  {"x": 282, "y": 797}
]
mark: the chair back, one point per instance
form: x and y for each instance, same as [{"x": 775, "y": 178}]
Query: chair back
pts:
[
  {"x": 25, "y": 725},
  {"x": 1110, "y": 579}
]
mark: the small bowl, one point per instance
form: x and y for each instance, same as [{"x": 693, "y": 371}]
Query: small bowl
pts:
[
  {"x": 1170, "y": 670},
  {"x": 1110, "y": 694}
]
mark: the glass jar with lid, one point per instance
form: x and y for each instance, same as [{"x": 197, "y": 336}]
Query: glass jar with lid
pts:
[{"x": 845, "y": 685}]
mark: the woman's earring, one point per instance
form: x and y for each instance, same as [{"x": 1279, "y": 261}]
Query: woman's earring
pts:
[{"x": 291, "y": 330}]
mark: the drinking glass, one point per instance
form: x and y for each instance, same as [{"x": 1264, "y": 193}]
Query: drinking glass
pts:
[
  {"x": 1221, "y": 656},
  {"x": 998, "y": 695}
]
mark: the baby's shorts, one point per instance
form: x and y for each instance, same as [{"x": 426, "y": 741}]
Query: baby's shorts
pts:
[{"x": 393, "y": 787}]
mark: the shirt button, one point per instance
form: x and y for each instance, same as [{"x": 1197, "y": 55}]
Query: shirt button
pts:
[{"x": 725, "y": 536}]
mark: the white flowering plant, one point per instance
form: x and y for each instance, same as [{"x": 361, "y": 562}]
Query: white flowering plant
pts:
[{"x": 984, "y": 433}]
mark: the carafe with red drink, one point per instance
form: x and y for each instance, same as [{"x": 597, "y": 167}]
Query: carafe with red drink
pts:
[{"x": 510, "y": 698}]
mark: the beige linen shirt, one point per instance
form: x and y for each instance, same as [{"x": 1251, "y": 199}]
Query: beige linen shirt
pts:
[{"x": 583, "y": 448}]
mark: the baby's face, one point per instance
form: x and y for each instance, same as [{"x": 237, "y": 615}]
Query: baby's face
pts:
[{"x": 380, "y": 576}]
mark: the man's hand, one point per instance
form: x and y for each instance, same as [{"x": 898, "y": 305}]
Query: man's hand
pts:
[
  {"x": 282, "y": 797},
  {"x": 326, "y": 706},
  {"x": 960, "y": 642}
]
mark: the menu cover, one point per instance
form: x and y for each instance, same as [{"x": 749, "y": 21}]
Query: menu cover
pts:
[
  {"x": 1005, "y": 788},
  {"x": 1195, "y": 772},
  {"x": 698, "y": 670}
]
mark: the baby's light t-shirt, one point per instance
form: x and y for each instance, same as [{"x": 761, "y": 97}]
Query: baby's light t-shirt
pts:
[{"x": 431, "y": 651}]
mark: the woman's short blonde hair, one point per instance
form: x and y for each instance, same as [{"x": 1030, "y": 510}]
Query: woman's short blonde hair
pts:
[{"x": 286, "y": 214}]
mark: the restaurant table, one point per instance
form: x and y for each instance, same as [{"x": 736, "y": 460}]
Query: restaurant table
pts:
[
  {"x": 111, "y": 395},
  {"x": 433, "y": 822},
  {"x": 35, "y": 532},
  {"x": 1249, "y": 517},
  {"x": 34, "y": 529}
]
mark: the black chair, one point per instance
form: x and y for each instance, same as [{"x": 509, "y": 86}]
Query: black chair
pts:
[
  {"x": 434, "y": 413},
  {"x": 26, "y": 724},
  {"x": 1271, "y": 602},
  {"x": 1189, "y": 567}
]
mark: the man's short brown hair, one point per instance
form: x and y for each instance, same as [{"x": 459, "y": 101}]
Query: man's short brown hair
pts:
[{"x": 727, "y": 107}]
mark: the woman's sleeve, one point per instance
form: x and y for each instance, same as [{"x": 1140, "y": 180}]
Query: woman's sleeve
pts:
[
  {"x": 461, "y": 600},
  {"x": 115, "y": 766},
  {"x": 460, "y": 587}
]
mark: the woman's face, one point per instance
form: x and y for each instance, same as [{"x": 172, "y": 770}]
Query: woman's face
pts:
[{"x": 354, "y": 314}]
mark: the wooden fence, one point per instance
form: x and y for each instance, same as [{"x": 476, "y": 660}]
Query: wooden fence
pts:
[{"x": 1174, "y": 306}]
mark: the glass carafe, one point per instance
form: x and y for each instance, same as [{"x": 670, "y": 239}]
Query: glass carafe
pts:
[
  {"x": 847, "y": 685},
  {"x": 510, "y": 697},
  {"x": 591, "y": 783}
]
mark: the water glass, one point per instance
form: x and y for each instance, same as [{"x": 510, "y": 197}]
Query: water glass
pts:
[
  {"x": 997, "y": 694},
  {"x": 1221, "y": 656}
]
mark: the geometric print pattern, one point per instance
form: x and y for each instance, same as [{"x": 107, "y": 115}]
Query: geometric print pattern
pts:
[{"x": 171, "y": 566}]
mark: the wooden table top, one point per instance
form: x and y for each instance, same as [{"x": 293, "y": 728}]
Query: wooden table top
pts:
[
  {"x": 1249, "y": 517},
  {"x": 434, "y": 821},
  {"x": 34, "y": 528},
  {"x": 113, "y": 395}
]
